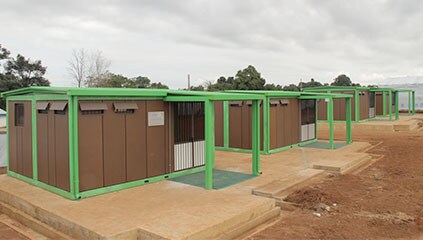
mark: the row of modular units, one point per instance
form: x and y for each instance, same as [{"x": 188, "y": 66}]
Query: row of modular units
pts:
[
  {"x": 289, "y": 122},
  {"x": 363, "y": 103},
  {"x": 88, "y": 144}
]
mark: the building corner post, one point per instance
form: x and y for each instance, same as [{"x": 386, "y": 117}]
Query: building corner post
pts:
[
  {"x": 256, "y": 137},
  {"x": 390, "y": 105},
  {"x": 331, "y": 124},
  {"x": 210, "y": 153},
  {"x": 348, "y": 121}
]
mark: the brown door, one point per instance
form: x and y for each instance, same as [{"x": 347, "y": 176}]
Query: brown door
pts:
[{"x": 20, "y": 137}]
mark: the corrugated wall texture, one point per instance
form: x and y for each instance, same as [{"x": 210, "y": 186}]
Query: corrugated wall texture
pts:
[
  {"x": 285, "y": 124},
  {"x": 53, "y": 143},
  {"x": 379, "y": 103},
  {"x": 218, "y": 123},
  {"x": 116, "y": 145},
  {"x": 364, "y": 104},
  {"x": 339, "y": 108},
  {"x": 20, "y": 137},
  {"x": 240, "y": 124}
]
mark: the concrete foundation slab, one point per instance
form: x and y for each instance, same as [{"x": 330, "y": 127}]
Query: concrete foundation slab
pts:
[
  {"x": 171, "y": 210},
  {"x": 405, "y": 123}
]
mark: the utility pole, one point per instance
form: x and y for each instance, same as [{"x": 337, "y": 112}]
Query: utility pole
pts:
[{"x": 189, "y": 82}]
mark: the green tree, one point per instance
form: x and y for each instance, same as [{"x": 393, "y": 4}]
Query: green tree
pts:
[
  {"x": 158, "y": 85},
  {"x": 115, "y": 81},
  {"x": 291, "y": 87},
  {"x": 142, "y": 82},
  {"x": 245, "y": 79},
  {"x": 19, "y": 72},
  {"x": 342, "y": 80},
  {"x": 271, "y": 86},
  {"x": 312, "y": 83},
  {"x": 197, "y": 88}
]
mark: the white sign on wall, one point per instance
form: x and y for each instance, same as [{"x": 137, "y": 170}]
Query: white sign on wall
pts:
[{"x": 155, "y": 119}]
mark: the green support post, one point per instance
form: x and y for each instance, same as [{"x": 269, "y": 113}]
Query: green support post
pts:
[
  {"x": 226, "y": 124},
  {"x": 34, "y": 140},
  {"x": 390, "y": 105},
  {"x": 7, "y": 135},
  {"x": 357, "y": 106},
  {"x": 73, "y": 146},
  {"x": 209, "y": 139},
  {"x": 331, "y": 124},
  {"x": 414, "y": 102},
  {"x": 384, "y": 103},
  {"x": 396, "y": 105},
  {"x": 348, "y": 139},
  {"x": 255, "y": 135},
  {"x": 409, "y": 104},
  {"x": 266, "y": 125}
]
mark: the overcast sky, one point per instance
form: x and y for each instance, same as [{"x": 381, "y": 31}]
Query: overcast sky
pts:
[{"x": 378, "y": 41}]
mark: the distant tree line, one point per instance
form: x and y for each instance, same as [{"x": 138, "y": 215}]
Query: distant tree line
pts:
[
  {"x": 19, "y": 72},
  {"x": 250, "y": 79}
]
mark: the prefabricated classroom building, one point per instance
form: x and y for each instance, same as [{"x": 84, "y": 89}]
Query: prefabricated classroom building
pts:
[
  {"x": 81, "y": 142},
  {"x": 363, "y": 103},
  {"x": 288, "y": 119}
]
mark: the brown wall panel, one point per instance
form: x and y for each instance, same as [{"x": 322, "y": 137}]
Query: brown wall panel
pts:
[
  {"x": 114, "y": 149},
  {"x": 295, "y": 121},
  {"x": 13, "y": 158},
  {"x": 379, "y": 104},
  {"x": 364, "y": 105},
  {"x": 62, "y": 150},
  {"x": 218, "y": 123},
  {"x": 90, "y": 135},
  {"x": 20, "y": 140},
  {"x": 323, "y": 110},
  {"x": 42, "y": 146},
  {"x": 246, "y": 126},
  {"x": 51, "y": 150},
  {"x": 136, "y": 143},
  {"x": 157, "y": 141},
  {"x": 273, "y": 126},
  {"x": 235, "y": 126}
]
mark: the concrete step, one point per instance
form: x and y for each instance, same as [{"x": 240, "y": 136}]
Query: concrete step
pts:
[
  {"x": 15, "y": 228},
  {"x": 271, "y": 189},
  {"x": 27, "y": 225},
  {"x": 242, "y": 229},
  {"x": 237, "y": 225},
  {"x": 341, "y": 168}
]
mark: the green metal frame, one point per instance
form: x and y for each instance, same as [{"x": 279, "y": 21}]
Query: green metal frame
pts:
[
  {"x": 333, "y": 89},
  {"x": 73, "y": 95},
  {"x": 266, "y": 119},
  {"x": 411, "y": 107}
]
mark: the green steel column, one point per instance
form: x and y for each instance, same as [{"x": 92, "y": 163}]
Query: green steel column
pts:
[
  {"x": 384, "y": 103},
  {"x": 316, "y": 119},
  {"x": 409, "y": 103},
  {"x": 331, "y": 124},
  {"x": 266, "y": 125},
  {"x": 357, "y": 105},
  {"x": 226, "y": 124},
  {"x": 396, "y": 105},
  {"x": 209, "y": 139},
  {"x": 414, "y": 102},
  {"x": 255, "y": 135},
  {"x": 34, "y": 140},
  {"x": 348, "y": 123},
  {"x": 7, "y": 133},
  {"x": 390, "y": 105},
  {"x": 73, "y": 146}
]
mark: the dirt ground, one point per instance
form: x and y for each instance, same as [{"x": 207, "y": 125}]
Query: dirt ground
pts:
[
  {"x": 9, "y": 233},
  {"x": 384, "y": 201}
]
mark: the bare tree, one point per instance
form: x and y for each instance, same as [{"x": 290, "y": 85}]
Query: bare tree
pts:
[
  {"x": 98, "y": 69},
  {"x": 88, "y": 68},
  {"x": 78, "y": 66}
]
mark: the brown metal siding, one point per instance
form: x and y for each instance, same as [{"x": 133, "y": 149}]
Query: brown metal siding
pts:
[
  {"x": 339, "y": 108},
  {"x": 379, "y": 104},
  {"x": 62, "y": 150},
  {"x": 118, "y": 146},
  {"x": 114, "y": 148},
  {"x": 323, "y": 110},
  {"x": 136, "y": 143},
  {"x": 246, "y": 126},
  {"x": 285, "y": 124},
  {"x": 218, "y": 123},
  {"x": 364, "y": 105},
  {"x": 90, "y": 147},
  {"x": 42, "y": 146},
  {"x": 235, "y": 126},
  {"x": 53, "y": 146},
  {"x": 20, "y": 140},
  {"x": 157, "y": 144}
]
